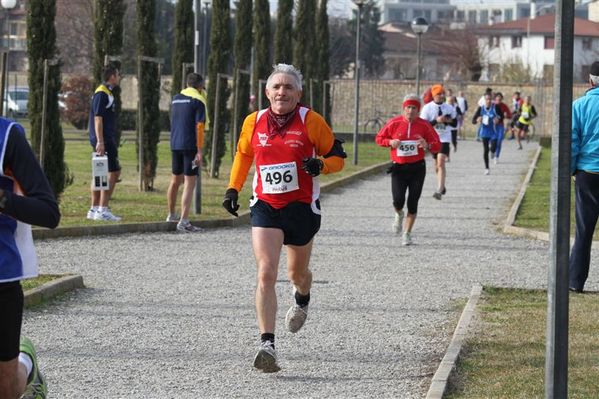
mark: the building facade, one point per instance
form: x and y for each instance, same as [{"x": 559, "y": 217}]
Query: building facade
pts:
[{"x": 529, "y": 44}]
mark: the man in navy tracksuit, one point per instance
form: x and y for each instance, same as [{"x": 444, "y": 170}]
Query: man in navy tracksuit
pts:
[
  {"x": 585, "y": 167},
  {"x": 188, "y": 119}
]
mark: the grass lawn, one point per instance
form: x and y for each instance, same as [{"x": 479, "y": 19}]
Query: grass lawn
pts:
[
  {"x": 38, "y": 281},
  {"x": 136, "y": 206},
  {"x": 505, "y": 354},
  {"x": 535, "y": 207}
]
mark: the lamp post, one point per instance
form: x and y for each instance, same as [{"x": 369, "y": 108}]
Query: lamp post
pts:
[
  {"x": 7, "y": 5},
  {"x": 419, "y": 26},
  {"x": 360, "y": 4}
]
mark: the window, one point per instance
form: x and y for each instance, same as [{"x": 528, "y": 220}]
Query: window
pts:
[
  {"x": 587, "y": 43},
  {"x": 516, "y": 41},
  {"x": 472, "y": 16},
  {"x": 398, "y": 15},
  {"x": 549, "y": 42},
  {"x": 444, "y": 15},
  {"x": 484, "y": 16},
  {"x": 460, "y": 16},
  {"x": 493, "y": 41},
  {"x": 508, "y": 15}
]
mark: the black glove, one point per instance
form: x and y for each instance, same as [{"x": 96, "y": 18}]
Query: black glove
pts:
[
  {"x": 230, "y": 201},
  {"x": 312, "y": 166}
]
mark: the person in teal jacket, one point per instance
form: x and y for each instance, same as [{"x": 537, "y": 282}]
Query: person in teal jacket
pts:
[{"x": 585, "y": 167}]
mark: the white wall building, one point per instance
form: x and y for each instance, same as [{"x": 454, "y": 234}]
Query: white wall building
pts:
[
  {"x": 531, "y": 42},
  {"x": 434, "y": 11}
]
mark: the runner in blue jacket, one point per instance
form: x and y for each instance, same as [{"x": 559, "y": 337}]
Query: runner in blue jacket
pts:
[{"x": 585, "y": 167}]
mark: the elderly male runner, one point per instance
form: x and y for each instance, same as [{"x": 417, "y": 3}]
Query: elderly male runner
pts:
[
  {"x": 291, "y": 145},
  {"x": 25, "y": 198}
]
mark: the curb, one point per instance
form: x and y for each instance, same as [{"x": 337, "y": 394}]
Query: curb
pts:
[
  {"x": 511, "y": 217},
  {"x": 52, "y": 288},
  {"x": 441, "y": 377},
  {"x": 153, "y": 227}
]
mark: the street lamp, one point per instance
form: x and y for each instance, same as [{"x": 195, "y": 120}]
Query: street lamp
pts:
[
  {"x": 360, "y": 4},
  {"x": 7, "y": 5},
  {"x": 419, "y": 26}
]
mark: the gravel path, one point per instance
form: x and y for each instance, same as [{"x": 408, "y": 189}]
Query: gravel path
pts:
[{"x": 172, "y": 316}]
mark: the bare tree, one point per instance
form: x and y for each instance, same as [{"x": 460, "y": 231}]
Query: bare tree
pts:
[{"x": 75, "y": 34}]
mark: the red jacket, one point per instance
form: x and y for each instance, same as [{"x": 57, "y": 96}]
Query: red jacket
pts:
[{"x": 399, "y": 128}]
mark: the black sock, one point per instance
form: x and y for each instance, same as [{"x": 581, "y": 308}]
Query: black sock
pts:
[
  {"x": 302, "y": 300},
  {"x": 268, "y": 337}
]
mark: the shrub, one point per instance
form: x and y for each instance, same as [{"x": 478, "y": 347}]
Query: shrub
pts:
[{"x": 76, "y": 94}]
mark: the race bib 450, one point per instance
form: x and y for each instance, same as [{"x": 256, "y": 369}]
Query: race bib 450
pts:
[{"x": 407, "y": 148}]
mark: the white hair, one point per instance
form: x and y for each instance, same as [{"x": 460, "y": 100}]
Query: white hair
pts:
[{"x": 287, "y": 70}]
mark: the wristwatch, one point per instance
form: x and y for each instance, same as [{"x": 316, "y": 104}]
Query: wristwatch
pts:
[{"x": 3, "y": 199}]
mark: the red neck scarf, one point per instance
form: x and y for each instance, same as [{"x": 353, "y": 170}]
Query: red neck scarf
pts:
[{"x": 277, "y": 124}]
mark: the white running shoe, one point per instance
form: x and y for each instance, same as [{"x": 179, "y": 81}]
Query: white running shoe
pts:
[
  {"x": 495, "y": 161},
  {"x": 266, "y": 358},
  {"x": 187, "y": 228},
  {"x": 91, "y": 214},
  {"x": 487, "y": 172},
  {"x": 296, "y": 317},
  {"x": 407, "y": 238},
  {"x": 398, "y": 222},
  {"x": 106, "y": 216},
  {"x": 173, "y": 218}
]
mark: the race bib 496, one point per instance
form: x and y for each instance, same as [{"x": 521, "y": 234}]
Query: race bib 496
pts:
[{"x": 279, "y": 178}]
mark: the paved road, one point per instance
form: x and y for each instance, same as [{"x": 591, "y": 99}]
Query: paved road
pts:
[{"x": 171, "y": 316}]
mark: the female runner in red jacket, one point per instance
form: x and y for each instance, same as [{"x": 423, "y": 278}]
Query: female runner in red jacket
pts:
[{"x": 408, "y": 137}]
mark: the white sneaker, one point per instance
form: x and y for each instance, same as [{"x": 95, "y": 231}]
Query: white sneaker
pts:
[
  {"x": 487, "y": 171},
  {"x": 173, "y": 218},
  {"x": 107, "y": 216},
  {"x": 398, "y": 222},
  {"x": 406, "y": 239},
  {"x": 91, "y": 214},
  {"x": 266, "y": 358},
  {"x": 296, "y": 317},
  {"x": 187, "y": 228},
  {"x": 495, "y": 161}
]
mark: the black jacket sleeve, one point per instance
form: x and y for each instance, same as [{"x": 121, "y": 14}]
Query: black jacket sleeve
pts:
[
  {"x": 499, "y": 112},
  {"x": 38, "y": 206},
  {"x": 476, "y": 115}
]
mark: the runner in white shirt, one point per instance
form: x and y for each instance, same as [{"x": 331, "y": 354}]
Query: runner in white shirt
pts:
[{"x": 443, "y": 118}]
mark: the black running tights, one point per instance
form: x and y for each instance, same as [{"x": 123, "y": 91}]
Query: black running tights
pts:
[{"x": 407, "y": 177}]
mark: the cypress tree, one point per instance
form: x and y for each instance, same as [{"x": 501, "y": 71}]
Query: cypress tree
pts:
[
  {"x": 150, "y": 86},
  {"x": 243, "y": 59},
  {"x": 108, "y": 40},
  {"x": 217, "y": 63},
  {"x": 322, "y": 40},
  {"x": 284, "y": 33},
  {"x": 262, "y": 63},
  {"x": 41, "y": 45},
  {"x": 303, "y": 52},
  {"x": 372, "y": 42},
  {"x": 183, "y": 52}
]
